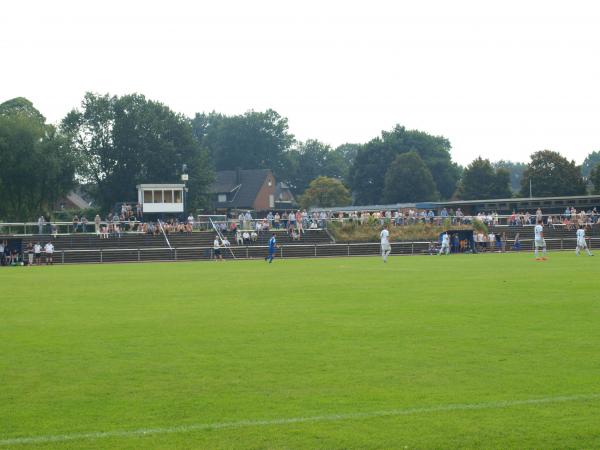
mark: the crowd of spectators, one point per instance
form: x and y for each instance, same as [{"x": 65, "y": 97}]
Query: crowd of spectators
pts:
[
  {"x": 570, "y": 219},
  {"x": 130, "y": 219}
]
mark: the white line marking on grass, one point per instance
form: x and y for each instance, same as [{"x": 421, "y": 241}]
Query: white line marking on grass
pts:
[{"x": 293, "y": 420}]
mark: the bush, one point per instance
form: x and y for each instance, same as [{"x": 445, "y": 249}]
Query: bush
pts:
[{"x": 369, "y": 232}]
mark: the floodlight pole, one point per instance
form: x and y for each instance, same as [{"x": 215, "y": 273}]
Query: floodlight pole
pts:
[
  {"x": 184, "y": 178},
  {"x": 530, "y": 196}
]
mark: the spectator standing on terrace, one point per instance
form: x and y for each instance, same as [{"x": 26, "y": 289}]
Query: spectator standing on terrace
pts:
[
  {"x": 238, "y": 238},
  {"x": 430, "y": 216},
  {"x": 386, "y": 248},
  {"x": 84, "y": 223},
  {"x": 459, "y": 215},
  {"x": 304, "y": 216},
  {"x": 538, "y": 215},
  {"x": 322, "y": 219},
  {"x": 41, "y": 222},
  {"x": 299, "y": 224},
  {"x": 97, "y": 221},
  {"x": 116, "y": 226},
  {"x": 49, "y": 251},
  {"x": 75, "y": 224},
  {"x": 2, "y": 246},
  {"x": 276, "y": 220}
]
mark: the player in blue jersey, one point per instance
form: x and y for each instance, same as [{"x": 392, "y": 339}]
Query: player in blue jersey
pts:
[{"x": 272, "y": 249}]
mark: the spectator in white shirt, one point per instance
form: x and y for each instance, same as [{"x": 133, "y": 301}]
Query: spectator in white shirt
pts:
[
  {"x": 49, "y": 251},
  {"x": 37, "y": 253}
]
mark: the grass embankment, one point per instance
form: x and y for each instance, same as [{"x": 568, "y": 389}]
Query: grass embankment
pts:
[{"x": 369, "y": 232}]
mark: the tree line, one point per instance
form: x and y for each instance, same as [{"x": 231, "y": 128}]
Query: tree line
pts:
[{"x": 111, "y": 143}]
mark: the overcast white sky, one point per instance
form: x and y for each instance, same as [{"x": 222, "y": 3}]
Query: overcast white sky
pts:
[{"x": 499, "y": 79}]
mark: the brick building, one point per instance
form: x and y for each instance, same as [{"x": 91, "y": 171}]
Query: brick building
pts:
[{"x": 253, "y": 189}]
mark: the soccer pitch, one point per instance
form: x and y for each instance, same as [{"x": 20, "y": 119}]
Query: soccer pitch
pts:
[{"x": 494, "y": 351}]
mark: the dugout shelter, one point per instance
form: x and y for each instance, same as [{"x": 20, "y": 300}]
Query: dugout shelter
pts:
[{"x": 461, "y": 241}]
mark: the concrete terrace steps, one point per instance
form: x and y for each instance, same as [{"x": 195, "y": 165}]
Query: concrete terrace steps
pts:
[
  {"x": 80, "y": 248},
  {"x": 144, "y": 241}
]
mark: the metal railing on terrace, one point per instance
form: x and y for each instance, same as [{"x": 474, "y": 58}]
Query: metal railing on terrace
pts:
[{"x": 307, "y": 223}]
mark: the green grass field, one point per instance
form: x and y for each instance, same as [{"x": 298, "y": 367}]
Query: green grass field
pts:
[{"x": 494, "y": 351}]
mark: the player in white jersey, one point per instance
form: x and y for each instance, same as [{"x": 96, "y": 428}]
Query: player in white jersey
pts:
[
  {"x": 539, "y": 241},
  {"x": 581, "y": 244},
  {"x": 386, "y": 248},
  {"x": 445, "y": 244}
]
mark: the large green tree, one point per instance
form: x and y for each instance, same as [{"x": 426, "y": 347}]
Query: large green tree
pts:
[
  {"x": 325, "y": 192},
  {"x": 408, "y": 179},
  {"x": 515, "y": 170},
  {"x": 312, "y": 159},
  {"x": 373, "y": 159},
  {"x": 551, "y": 175},
  {"x": 346, "y": 153},
  {"x": 481, "y": 181},
  {"x": 124, "y": 141},
  {"x": 37, "y": 165},
  {"x": 254, "y": 140},
  {"x": 589, "y": 163},
  {"x": 595, "y": 178}
]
